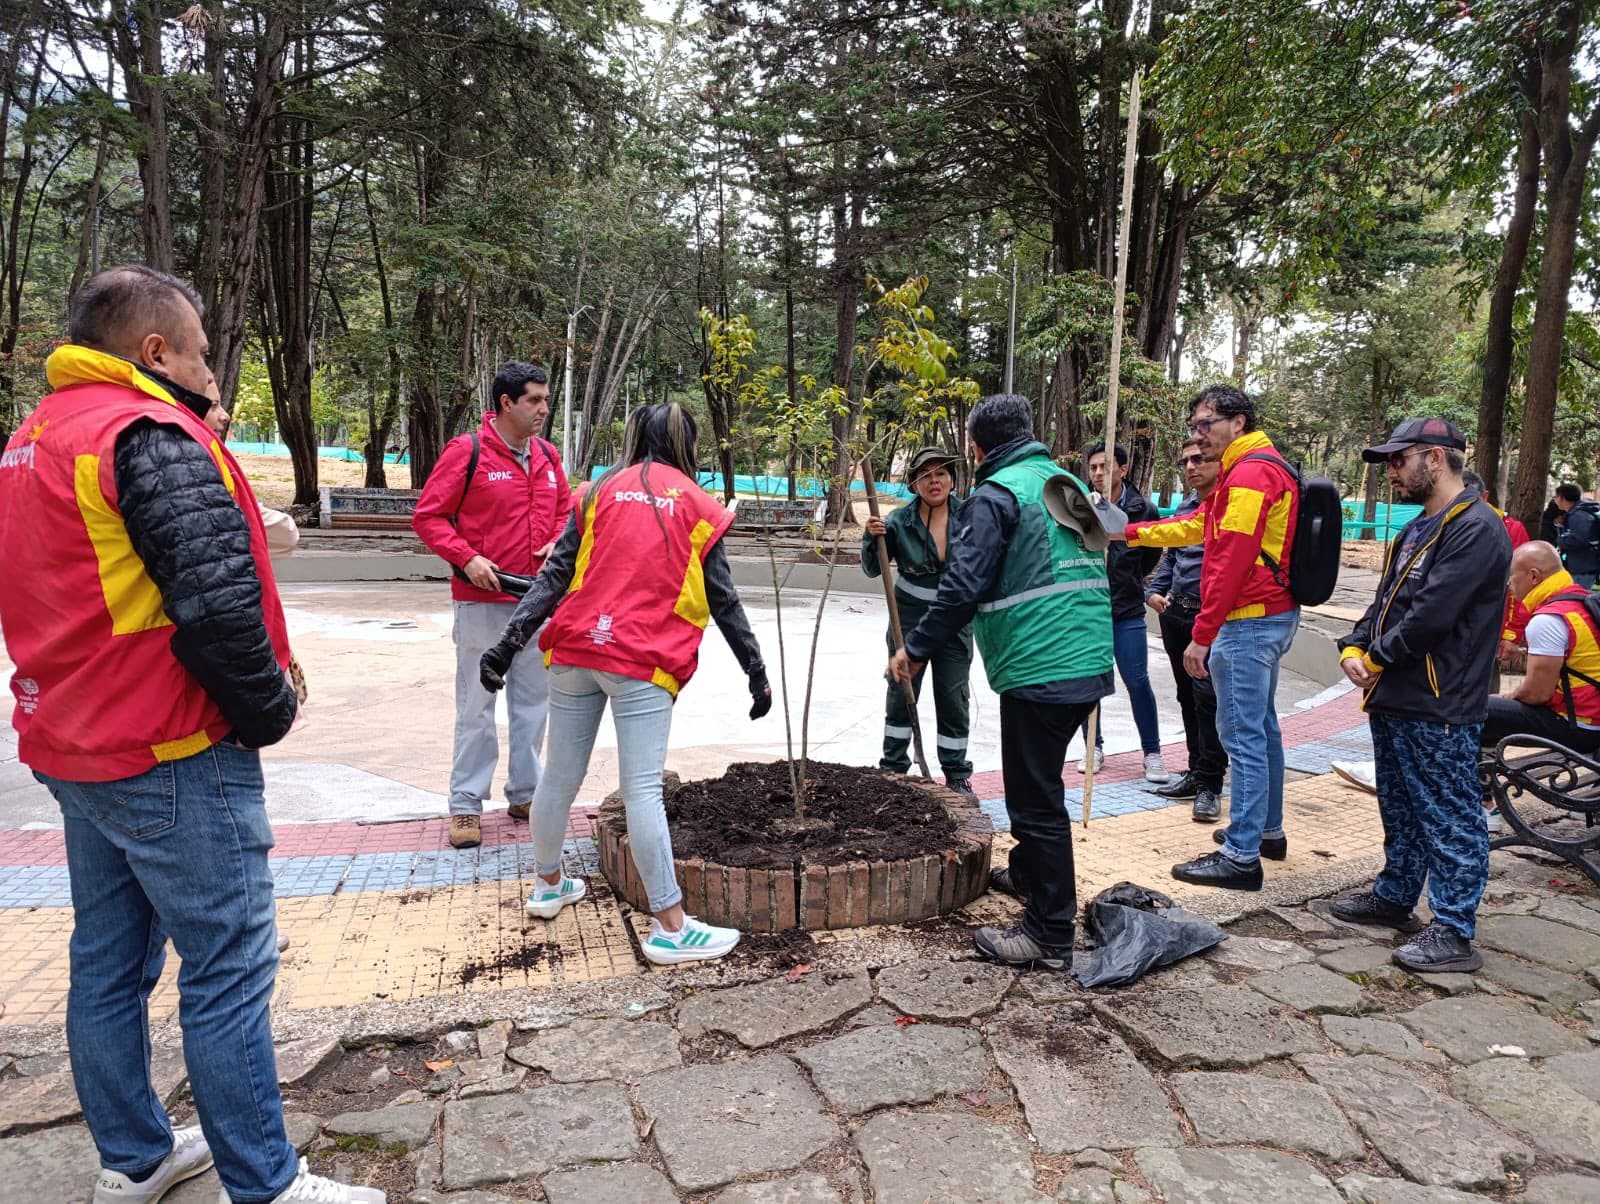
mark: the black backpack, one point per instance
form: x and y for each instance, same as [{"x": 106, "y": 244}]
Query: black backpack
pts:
[{"x": 1317, "y": 540}]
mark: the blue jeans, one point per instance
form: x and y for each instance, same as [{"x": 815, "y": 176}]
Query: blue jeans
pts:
[
  {"x": 1244, "y": 669},
  {"x": 179, "y": 852},
  {"x": 642, "y": 713},
  {"x": 1433, "y": 829},
  {"x": 1130, "y": 645}
]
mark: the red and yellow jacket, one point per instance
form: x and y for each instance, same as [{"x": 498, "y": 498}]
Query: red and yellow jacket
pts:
[
  {"x": 1558, "y": 594},
  {"x": 100, "y": 694},
  {"x": 1252, "y": 510},
  {"x": 637, "y": 601}
]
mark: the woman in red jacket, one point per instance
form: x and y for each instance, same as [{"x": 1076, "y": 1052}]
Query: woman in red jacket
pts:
[{"x": 632, "y": 582}]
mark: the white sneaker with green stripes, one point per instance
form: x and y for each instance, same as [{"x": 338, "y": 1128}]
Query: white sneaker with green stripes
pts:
[
  {"x": 547, "y": 901},
  {"x": 694, "y": 942}
]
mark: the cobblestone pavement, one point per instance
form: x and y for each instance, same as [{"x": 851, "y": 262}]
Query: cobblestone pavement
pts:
[{"x": 1291, "y": 1063}]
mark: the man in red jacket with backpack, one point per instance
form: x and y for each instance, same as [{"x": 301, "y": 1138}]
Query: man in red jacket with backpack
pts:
[{"x": 496, "y": 500}]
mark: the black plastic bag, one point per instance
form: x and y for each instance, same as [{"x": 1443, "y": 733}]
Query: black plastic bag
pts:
[{"x": 1131, "y": 930}]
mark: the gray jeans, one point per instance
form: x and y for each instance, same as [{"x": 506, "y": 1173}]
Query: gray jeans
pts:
[
  {"x": 642, "y": 713},
  {"x": 477, "y": 628}
]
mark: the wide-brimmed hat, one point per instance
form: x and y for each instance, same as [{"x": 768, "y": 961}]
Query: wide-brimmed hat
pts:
[
  {"x": 1429, "y": 432},
  {"x": 925, "y": 458}
]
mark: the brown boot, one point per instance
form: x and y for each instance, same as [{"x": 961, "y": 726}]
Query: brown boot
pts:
[
  {"x": 517, "y": 810},
  {"x": 465, "y": 832}
]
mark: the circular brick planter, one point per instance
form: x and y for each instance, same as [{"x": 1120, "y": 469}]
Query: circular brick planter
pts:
[{"x": 849, "y": 895}]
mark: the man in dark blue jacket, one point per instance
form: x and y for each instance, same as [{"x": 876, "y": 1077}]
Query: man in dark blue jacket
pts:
[
  {"x": 1424, "y": 653},
  {"x": 1174, "y": 594},
  {"x": 1578, "y": 533}
]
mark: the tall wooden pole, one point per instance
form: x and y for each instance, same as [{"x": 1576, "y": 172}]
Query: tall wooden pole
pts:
[{"x": 1130, "y": 153}]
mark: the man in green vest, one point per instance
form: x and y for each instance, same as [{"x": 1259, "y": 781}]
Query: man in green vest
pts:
[{"x": 1041, "y": 610}]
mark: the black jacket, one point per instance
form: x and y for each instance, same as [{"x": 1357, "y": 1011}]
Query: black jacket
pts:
[
  {"x": 1127, "y": 568},
  {"x": 1435, "y": 624},
  {"x": 195, "y": 545},
  {"x": 1578, "y": 534}
]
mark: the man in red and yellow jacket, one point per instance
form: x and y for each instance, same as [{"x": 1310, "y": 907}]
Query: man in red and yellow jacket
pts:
[
  {"x": 496, "y": 500},
  {"x": 139, "y": 607},
  {"x": 1246, "y": 622}
]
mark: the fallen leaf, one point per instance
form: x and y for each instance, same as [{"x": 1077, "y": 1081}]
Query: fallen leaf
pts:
[
  {"x": 902, "y": 1021},
  {"x": 799, "y": 972},
  {"x": 442, "y": 1064}
]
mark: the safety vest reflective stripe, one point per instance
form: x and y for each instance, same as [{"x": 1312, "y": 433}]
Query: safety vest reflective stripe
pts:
[{"x": 1042, "y": 591}]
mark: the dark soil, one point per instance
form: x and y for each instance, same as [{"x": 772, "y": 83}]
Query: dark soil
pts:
[
  {"x": 787, "y": 949},
  {"x": 524, "y": 957},
  {"x": 738, "y": 819}
]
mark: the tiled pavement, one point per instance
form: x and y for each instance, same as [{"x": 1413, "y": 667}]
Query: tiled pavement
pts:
[{"x": 390, "y": 911}]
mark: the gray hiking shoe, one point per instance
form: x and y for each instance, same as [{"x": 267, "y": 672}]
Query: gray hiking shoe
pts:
[{"x": 1013, "y": 947}]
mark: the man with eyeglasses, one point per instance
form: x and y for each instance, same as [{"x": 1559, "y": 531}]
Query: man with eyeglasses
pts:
[
  {"x": 1174, "y": 594},
  {"x": 1244, "y": 626},
  {"x": 1423, "y": 654}
]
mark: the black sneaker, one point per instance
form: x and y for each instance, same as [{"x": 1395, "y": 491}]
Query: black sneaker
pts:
[
  {"x": 1184, "y": 787},
  {"x": 1218, "y": 869},
  {"x": 1365, "y": 907},
  {"x": 1014, "y": 947},
  {"x": 1000, "y": 880},
  {"x": 1273, "y": 848},
  {"x": 1207, "y": 807},
  {"x": 1438, "y": 950},
  {"x": 960, "y": 785}
]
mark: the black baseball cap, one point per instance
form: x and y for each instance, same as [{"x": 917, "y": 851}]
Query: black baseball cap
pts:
[{"x": 1428, "y": 432}]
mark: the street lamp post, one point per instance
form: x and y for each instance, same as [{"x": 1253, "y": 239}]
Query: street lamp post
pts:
[{"x": 566, "y": 388}]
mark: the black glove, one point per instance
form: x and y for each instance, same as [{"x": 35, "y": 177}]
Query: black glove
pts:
[
  {"x": 760, "y": 693},
  {"x": 493, "y": 665}
]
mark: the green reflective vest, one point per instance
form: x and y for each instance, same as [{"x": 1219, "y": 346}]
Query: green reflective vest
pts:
[{"x": 1047, "y": 617}]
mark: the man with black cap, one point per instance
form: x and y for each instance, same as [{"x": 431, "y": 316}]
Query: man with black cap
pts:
[
  {"x": 917, "y": 538},
  {"x": 1423, "y": 654}
]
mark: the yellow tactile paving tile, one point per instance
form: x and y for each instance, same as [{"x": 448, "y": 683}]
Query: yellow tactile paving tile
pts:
[{"x": 398, "y": 945}]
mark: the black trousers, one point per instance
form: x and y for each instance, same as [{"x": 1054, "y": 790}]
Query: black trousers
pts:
[
  {"x": 1033, "y": 750},
  {"x": 1197, "y": 698},
  {"x": 1508, "y": 718}
]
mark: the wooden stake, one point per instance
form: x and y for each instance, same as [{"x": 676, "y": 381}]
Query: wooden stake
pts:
[
  {"x": 894, "y": 614},
  {"x": 1130, "y": 152}
]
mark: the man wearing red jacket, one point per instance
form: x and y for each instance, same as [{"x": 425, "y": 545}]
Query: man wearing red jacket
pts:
[
  {"x": 496, "y": 500},
  {"x": 1245, "y": 624}
]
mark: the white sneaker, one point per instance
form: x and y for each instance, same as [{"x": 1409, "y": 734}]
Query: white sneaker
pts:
[
  {"x": 1099, "y": 762},
  {"x": 314, "y": 1189},
  {"x": 1155, "y": 769},
  {"x": 1363, "y": 775},
  {"x": 546, "y": 901},
  {"x": 190, "y": 1156},
  {"x": 1491, "y": 817},
  {"x": 694, "y": 942}
]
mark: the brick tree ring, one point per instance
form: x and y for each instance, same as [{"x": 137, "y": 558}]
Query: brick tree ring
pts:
[{"x": 852, "y": 894}]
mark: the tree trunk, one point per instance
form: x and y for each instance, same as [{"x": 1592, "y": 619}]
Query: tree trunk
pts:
[
  {"x": 1376, "y": 430},
  {"x": 1498, "y": 350},
  {"x": 137, "y": 40},
  {"x": 1566, "y": 160}
]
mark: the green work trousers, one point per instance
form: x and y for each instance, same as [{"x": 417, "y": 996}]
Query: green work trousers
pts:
[{"x": 952, "y": 703}]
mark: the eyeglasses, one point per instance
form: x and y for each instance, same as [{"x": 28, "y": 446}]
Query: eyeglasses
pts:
[
  {"x": 1187, "y": 461},
  {"x": 1398, "y": 459},
  {"x": 1201, "y": 425}
]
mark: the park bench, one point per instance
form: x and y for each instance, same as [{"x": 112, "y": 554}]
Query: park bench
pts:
[
  {"x": 386, "y": 509},
  {"x": 1530, "y": 769}
]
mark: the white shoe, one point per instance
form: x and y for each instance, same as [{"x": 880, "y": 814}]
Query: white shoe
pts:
[
  {"x": 1155, "y": 769},
  {"x": 547, "y": 901},
  {"x": 314, "y": 1189},
  {"x": 694, "y": 942},
  {"x": 1099, "y": 762},
  {"x": 1363, "y": 775},
  {"x": 1491, "y": 817},
  {"x": 190, "y": 1156}
]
